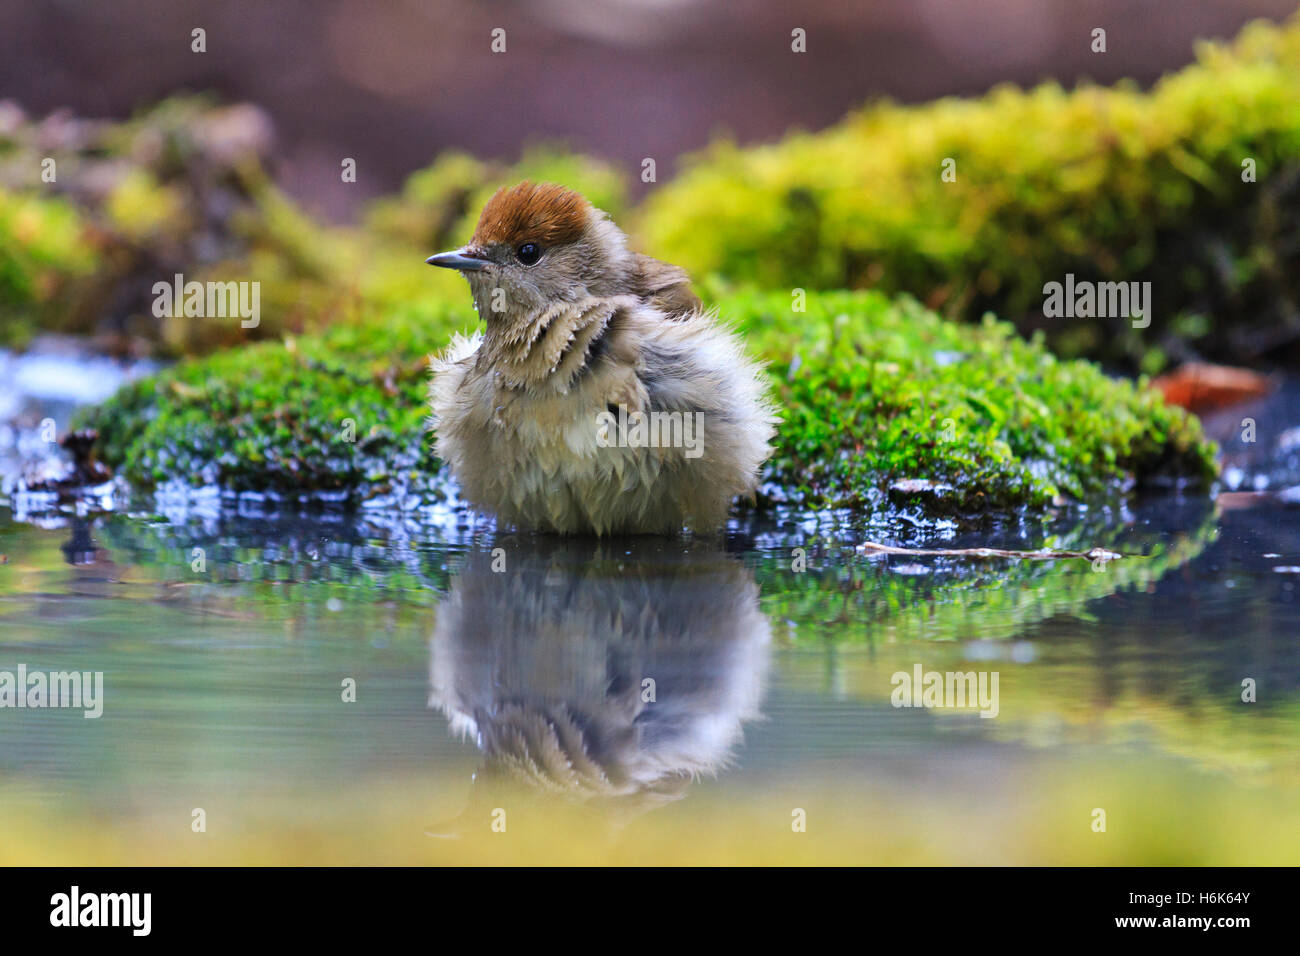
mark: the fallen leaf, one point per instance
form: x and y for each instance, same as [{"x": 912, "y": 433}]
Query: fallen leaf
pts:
[{"x": 1201, "y": 387}]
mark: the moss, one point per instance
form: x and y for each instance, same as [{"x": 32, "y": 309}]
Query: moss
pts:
[
  {"x": 141, "y": 207},
  {"x": 1109, "y": 184},
  {"x": 341, "y": 412},
  {"x": 871, "y": 390},
  {"x": 1106, "y": 184},
  {"x": 884, "y": 401},
  {"x": 181, "y": 188},
  {"x": 43, "y": 247},
  {"x": 875, "y": 391}
]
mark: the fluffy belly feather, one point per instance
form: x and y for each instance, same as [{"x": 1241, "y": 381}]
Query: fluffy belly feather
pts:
[
  {"x": 576, "y": 486},
  {"x": 628, "y": 447}
]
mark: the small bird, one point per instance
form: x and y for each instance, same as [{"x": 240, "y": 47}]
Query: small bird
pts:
[{"x": 600, "y": 398}]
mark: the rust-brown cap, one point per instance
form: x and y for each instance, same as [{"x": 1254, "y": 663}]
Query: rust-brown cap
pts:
[{"x": 532, "y": 212}]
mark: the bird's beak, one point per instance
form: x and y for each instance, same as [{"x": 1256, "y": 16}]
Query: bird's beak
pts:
[{"x": 466, "y": 260}]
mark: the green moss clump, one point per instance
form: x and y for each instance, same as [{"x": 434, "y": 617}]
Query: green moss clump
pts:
[
  {"x": 340, "y": 412},
  {"x": 1110, "y": 184},
  {"x": 874, "y": 391},
  {"x": 43, "y": 247},
  {"x": 871, "y": 390},
  {"x": 181, "y": 188}
]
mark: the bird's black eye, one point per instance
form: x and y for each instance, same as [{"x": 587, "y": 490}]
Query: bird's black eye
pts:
[{"x": 529, "y": 253}]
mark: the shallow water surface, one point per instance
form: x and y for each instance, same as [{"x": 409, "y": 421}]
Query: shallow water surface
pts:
[{"x": 528, "y": 699}]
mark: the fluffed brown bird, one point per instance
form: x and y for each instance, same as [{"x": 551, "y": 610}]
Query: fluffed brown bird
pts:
[{"x": 600, "y": 396}]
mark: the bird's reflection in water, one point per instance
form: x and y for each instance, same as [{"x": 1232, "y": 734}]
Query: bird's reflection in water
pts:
[{"x": 601, "y": 674}]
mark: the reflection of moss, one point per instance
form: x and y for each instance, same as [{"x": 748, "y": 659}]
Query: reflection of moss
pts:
[
  {"x": 933, "y": 810},
  {"x": 871, "y": 390},
  {"x": 255, "y": 568},
  {"x": 1195, "y": 718},
  {"x": 290, "y": 570},
  {"x": 901, "y": 600},
  {"x": 269, "y": 565},
  {"x": 1106, "y": 183},
  {"x": 1116, "y": 689},
  {"x": 1144, "y": 684},
  {"x": 1085, "y": 685}
]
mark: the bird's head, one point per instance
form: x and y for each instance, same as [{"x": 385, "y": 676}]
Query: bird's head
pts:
[{"x": 536, "y": 245}]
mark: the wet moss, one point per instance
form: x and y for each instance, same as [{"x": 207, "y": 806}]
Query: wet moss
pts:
[
  {"x": 341, "y": 412},
  {"x": 1107, "y": 184},
  {"x": 876, "y": 392},
  {"x": 872, "y": 391}
]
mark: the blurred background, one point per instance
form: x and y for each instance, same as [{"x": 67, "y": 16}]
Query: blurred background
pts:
[{"x": 394, "y": 84}]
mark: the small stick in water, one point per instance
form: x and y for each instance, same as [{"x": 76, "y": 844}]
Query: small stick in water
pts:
[{"x": 1092, "y": 554}]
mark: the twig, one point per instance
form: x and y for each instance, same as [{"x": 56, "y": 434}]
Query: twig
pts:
[{"x": 1092, "y": 554}]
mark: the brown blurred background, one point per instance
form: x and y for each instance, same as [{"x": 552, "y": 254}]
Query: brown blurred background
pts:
[{"x": 393, "y": 83}]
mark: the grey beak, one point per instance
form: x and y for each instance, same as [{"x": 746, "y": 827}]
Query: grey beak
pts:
[{"x": 458, "y": 260}]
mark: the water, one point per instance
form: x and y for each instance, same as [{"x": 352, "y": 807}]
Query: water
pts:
[
  {"x": 522, "y": 690},
  {"x": 329, "y": 687}
]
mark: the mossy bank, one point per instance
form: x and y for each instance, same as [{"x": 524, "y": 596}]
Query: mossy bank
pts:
[
  {"x": 882, "y": 402},
  {"x": 975, "y": 205}
]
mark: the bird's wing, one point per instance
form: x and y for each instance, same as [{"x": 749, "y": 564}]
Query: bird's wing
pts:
[{"x": 665, "y": 287}]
